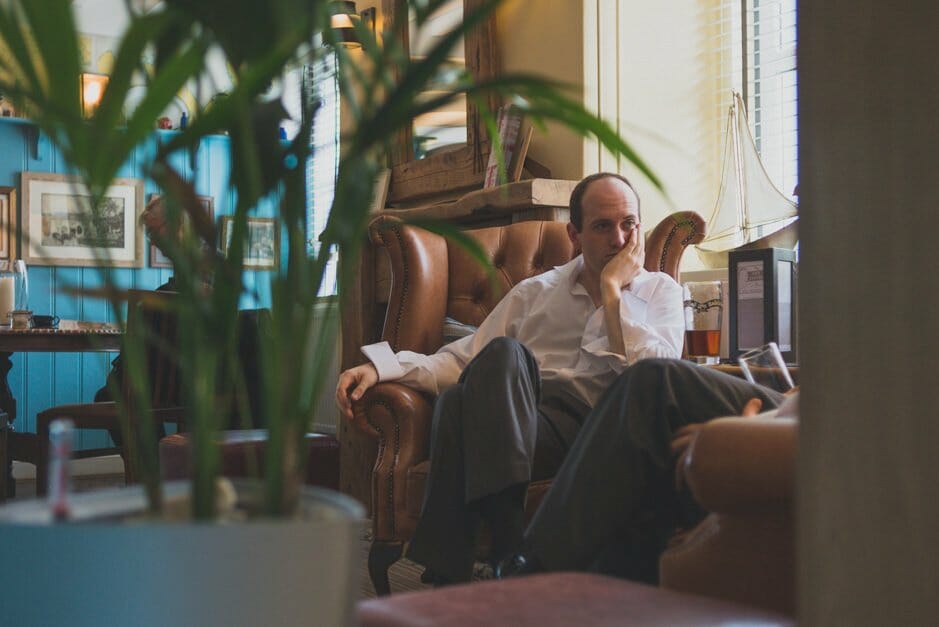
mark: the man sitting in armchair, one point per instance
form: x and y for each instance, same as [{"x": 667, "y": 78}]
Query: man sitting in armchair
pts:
[{"x": 512, "y": 396}]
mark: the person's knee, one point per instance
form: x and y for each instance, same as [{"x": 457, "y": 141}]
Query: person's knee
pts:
[
  {"x": 503, "y": 348},
  {"x": 651, "y": 371},
  {"x": 649, "y": 378},
  {"x": 506, "y": 354}
]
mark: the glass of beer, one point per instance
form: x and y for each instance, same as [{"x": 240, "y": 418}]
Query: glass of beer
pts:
[{"x": 704, "y": 306}]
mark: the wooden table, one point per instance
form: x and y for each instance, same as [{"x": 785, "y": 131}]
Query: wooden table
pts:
[{"x": 72, "y": 336}]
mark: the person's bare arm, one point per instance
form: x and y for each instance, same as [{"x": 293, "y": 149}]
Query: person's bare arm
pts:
[
  {"x": 352, "y": 385},
  {"x": 617, "y": 274}
]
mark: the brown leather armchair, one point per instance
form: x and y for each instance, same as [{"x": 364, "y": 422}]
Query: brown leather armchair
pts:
[
  {"x": 431, "y": 280},
  {"x": 742, "y": 470}
]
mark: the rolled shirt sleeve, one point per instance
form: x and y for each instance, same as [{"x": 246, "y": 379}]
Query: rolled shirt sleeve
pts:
[
  {"x": 651, "y": 319},
  {"x": 433, "y": 373},
  {"x": 384, "y": 360},
  {"x": 428, "y": 373}
]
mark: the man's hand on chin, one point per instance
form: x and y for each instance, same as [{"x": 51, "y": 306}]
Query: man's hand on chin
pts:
[{"x": 620, "y": 271}]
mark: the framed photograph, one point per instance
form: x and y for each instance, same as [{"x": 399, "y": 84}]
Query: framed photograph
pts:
[
  {"x": 262, "y": 250},
  {"x": 763, "y": 295},
  {"x": 157, "y": 258},
  {"x": 513, "y": 139},
  {"x": 7, "y": 222},
  {"x": 60, "y": 229}
]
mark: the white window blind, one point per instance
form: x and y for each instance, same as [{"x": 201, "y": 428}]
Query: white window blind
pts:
[
  {"x": 772, "y": 90},
  {"x": 323, "y": 165},
  {"x": 757, "y": 40}
]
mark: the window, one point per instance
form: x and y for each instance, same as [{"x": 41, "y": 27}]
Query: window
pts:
[
  {"x": 323, "y": 167},
  {"x": 772, "y": 89},
  {"x": 758, "y": 38}
]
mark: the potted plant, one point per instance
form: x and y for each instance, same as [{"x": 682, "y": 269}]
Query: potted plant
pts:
[{"x": 259, "y": 40}]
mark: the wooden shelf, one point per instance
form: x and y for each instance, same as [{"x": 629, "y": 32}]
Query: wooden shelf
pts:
[{"x": 512, "y": 201}]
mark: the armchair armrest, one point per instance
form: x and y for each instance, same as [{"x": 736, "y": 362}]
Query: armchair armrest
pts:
[
  {"x": 399, "y": 418},
  {"x": 666, "y": 243},
  {"x": 741, "y": 469},
  {"x": 741, "y": 465}
]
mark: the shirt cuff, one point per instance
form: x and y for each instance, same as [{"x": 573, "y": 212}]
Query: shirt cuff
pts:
[
  {"x": 384, "y": 360},
  {"x": 631, "y": 309}
]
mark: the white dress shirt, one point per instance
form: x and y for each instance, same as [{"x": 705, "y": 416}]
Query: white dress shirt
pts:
[{"x": 555, "y": 318}]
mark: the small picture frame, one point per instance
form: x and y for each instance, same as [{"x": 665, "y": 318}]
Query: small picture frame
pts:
[
  {"x": 59, "y": 228},
  {"x": 262, "y": 250},
  {"x": 515, "y": 141},
  {"x": 157, "y": 258},
  {"x": 7, "y": 222},
  {"x": 763, "y": 301}
]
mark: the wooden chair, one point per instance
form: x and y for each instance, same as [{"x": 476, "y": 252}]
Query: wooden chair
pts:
[
  {"x": 149, "y": 312},
  {"x": 432, "y": 280}
]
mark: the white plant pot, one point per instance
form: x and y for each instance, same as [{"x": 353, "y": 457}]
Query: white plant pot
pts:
[{"x": 109, "y": 572}]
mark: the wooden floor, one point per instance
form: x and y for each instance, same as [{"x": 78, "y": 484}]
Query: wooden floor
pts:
[{"x": 404, "y": 575}]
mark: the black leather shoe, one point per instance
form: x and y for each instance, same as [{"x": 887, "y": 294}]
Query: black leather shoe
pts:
[{"x": 518, "y": 565}]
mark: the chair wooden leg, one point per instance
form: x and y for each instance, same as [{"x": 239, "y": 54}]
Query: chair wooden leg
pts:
[
  {"x": 380, "y": 557},
  {"x": 130, "y": 471}
]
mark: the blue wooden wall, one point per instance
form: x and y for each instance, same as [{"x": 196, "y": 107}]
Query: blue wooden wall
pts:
[{"x": 42, "y": 380}]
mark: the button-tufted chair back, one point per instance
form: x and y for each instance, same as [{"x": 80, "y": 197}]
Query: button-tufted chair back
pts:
[
  {"x": 433, "y": 278},
  {"x": 425, "y": 267},
  {"x": 430, "y": 279},
  {"x": 517, "y": 251}
]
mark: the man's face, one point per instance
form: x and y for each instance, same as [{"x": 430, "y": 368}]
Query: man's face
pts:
[{"x": 610, "y": 215}]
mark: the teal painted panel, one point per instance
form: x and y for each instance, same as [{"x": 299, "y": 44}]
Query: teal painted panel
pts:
[
  {"x": 92, "y": 308},
  {"x": 39, "y": 381},
  {"x": 65, "y": 366},
  {"x": 39, "y": 375},
  {"x": 13, "y": 155},
  {"x": 65, "y": 281}
]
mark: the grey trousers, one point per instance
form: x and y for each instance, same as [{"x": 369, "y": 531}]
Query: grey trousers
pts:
[
  {"x": 491, "y": 431},
  {"x": 614, "y": 493}
]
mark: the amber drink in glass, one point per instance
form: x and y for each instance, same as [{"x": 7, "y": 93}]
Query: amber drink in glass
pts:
[{"x": 704, "y": 307}]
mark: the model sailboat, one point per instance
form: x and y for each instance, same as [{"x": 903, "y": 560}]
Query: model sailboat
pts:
[{"x": 750, "y": 211}]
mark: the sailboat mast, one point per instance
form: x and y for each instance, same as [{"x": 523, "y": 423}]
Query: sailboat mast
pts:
[{"x": 743, "y": 216}]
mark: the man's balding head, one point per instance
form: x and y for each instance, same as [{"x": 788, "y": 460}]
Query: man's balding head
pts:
[{"x": 576, "y": 204}]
